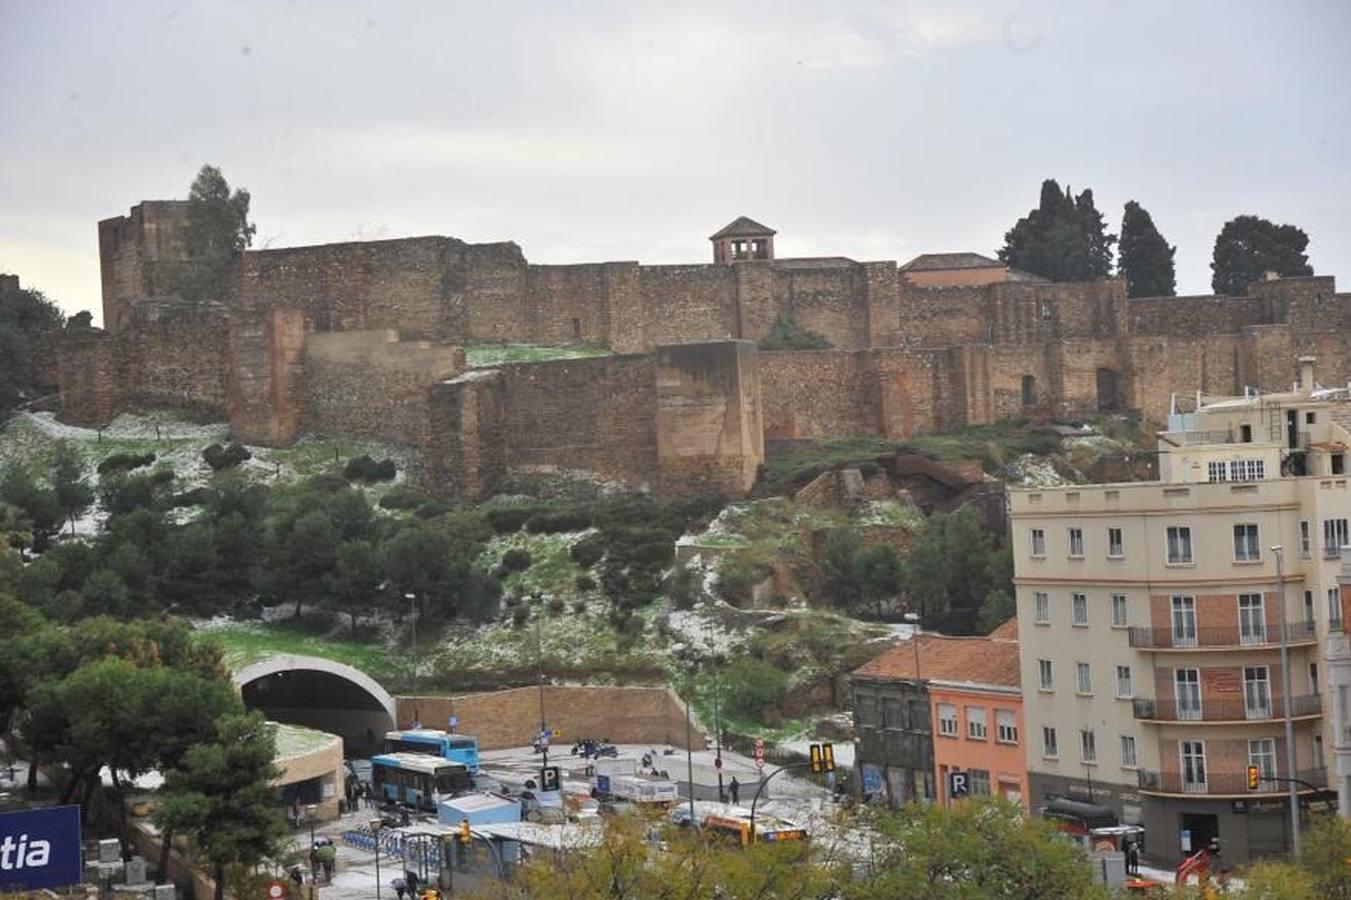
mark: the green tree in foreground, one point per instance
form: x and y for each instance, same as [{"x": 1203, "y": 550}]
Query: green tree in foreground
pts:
[
  {"x": 1248, "y": 246},
  {"x": 984, "y": 849},
  {"x": 1146, "y": 258},
  {"x": 221, "y": 796},
  {"x": 74, "y": 493}
]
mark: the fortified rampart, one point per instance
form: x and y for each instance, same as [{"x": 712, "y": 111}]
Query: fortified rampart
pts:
[{"x": 364, "y": 339}]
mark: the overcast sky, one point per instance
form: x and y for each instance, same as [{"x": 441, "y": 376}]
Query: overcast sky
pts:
[{"x": 598, "y": 131}]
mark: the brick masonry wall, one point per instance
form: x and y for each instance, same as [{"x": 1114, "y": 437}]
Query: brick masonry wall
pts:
[
  {"x": 593, "y": 415},
  {"x": 266, "y": 369},
  {"x": 568, "y": 304},
  {"x": 709, "y": 429},
  {"x": 90, "y": 390},
  {"x": 510, "y": 718},
  {"x": 688, "y": 303},
  {"x": 369, "y": 383},
  {"x": 829, "y": 300},
  {"x": 175, "y": 353}
]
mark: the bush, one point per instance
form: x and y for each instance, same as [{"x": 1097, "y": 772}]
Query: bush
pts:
[
  {"x": 509, "y": 519},
  {"x": 520, "y": 614},
  {"x": 752, "y": 688},
  {"x": 738, "y": 575},
  {"x": 218, "y": 457},
  {"x": 125, "y": 462},
  {"x": 403, "y": 496},
  {"x": 787, "y": 334},
  {"x": 431, "y": 509},
  {"x": 558, "y": 521},
  {"x": 588, "y": 551},
  {"x": 556, "y": 605},
  {"x": 585, "y": 582},
  {"x": 195, "y": 497},
  {"x": 364, "y": 469},
  {"x": 516, "y": 560}
]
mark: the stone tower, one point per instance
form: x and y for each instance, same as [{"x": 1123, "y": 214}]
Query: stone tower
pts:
[{"x": 742, "y": 238}]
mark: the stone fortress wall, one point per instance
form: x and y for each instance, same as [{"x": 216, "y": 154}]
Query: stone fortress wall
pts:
[{"x": 365, "y": 339}]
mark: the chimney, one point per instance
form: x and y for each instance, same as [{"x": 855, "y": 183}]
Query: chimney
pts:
[{"x": 1306, "y": 374}]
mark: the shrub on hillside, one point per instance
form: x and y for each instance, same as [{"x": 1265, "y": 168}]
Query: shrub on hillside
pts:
[
  {"x": 364, "y": 469},
  {"x": 588, "y": 551},
  {"x": 509, "y": 519},
  {"x": 403, "y": 496},
  {"x": 516, "y": 560},
  {"x": 431, "y": 510},
  {"x": 195, "y": 497},
  {"x": 558, "y": 521},
  {"x": 585, "y": 582},
  {"x": 752, "y": 687},
  {"x": 124, "y": 462},
  {"x": 219, "y": 458}
]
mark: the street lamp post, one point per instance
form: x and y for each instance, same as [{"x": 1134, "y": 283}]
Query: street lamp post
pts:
[
  {"x": 717, "y": 709},
  {"x": 1285, "y": 704},
  {"x": 689, "y": 740},
  {"x": 412, "y": 627},
  {"x": 539, "y": 666},
  {"x": 375, "y": 830},
  {"x": 310, "y": 811}
]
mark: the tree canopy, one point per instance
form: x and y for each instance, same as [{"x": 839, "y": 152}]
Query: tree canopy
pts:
[
  {"x": 1063, "y": 238},
  {"x": 217, "y": 232},
  {"x": 1146, "y": 258},
  {"x": 1248, "y": 246},
  {"x": 25, "y": 316}
]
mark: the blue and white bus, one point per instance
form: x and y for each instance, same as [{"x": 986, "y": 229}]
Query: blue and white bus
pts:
[
  {"x": 460, "y": 748},
  {"x": 417, "y": 779}
]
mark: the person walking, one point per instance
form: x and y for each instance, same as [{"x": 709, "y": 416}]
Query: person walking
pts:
[
  {"x": 1133, "y": 858},
  {"x": 400, "y": 887},
  {"x": 734, "y": 790}
]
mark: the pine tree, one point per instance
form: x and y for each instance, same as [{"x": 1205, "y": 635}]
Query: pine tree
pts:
[
  {"x": 1146, "y": 258},
  {"x": 1063, "y": 239},
  {"x": 1249, "y": 246},
  {"x": 217, "y": 231}
]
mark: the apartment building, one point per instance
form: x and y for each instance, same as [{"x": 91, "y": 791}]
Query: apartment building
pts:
[
  {"x": 934, "y": 705},
  {"x": 1152, "y": 617}
]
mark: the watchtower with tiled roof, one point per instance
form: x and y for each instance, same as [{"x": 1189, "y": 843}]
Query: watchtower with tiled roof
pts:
[{"x": 742, "y": 239}]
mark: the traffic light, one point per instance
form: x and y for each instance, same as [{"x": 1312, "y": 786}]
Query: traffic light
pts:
[
  {"x": 822, "y": 757},
  {"x": 1254, "y": 777},
  {"x": 465, "y": 836}
]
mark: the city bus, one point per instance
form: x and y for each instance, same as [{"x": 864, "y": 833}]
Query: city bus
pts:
[
  {"x": 737, "y": 828},
  {"x": 417, "y": 779},
  {"x": 460, "y": 748}
]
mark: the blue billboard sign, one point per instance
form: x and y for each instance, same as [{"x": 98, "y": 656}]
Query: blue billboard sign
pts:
[{"x": 40, "y": 848}]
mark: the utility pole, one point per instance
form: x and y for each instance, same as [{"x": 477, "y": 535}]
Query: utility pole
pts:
[
  {"x": 412, "y": 627},
  {"x": 1291, "y": 773},
  {"x": 717, "y": 708},
  {"x": 539, "y": 663},
  {"x": 689, "y": 740}
]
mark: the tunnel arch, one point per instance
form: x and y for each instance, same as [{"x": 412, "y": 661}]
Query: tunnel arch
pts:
[{"x": 320, "y": 693}]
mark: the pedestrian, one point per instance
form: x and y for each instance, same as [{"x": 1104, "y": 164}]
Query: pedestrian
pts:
[
  {"x": 400, "y": 887},
  {"x": 328, "y": 858},
  {"x": 298, "y": 877},
  {"x": 734, "y": 789},
  {"x": 411, "y": 879},
  {"x": 1133, "y": 858},
  {"x": 297, "y": 815}
]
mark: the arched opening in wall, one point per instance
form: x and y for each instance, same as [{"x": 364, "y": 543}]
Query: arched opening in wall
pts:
[
  {"x": 1109, "y": 390},
  {"x": 324, "y": 695},
  {"x": 1029, "y": 390}
]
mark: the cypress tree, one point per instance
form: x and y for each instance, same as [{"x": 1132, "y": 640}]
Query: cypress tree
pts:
[
  {"x": 1248, "y": 246},
  {"x": 1063, "y": 239},
  {"x": 1146, "y": 258}
]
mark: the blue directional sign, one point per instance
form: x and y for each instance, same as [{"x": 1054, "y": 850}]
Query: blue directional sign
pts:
[{"x": 40, "y": 848}]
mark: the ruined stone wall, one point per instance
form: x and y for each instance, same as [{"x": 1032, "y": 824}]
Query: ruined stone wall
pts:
[
  {"x": 894, "y": 393},
  {"x": 567, "y": 304},
  {"x": 942, "y": 316},
  {"x": 267, "y": 373},
  {"x": 371, "y": 384},
  {"x": 136, "y": 252},
  {"x": 709, "y": 420},
  {"x": 174, "y": 353},
  {"x": 487, "y": 288},
  {"x": 829, "y": 300},
  {"x": 593, "y": 415},
  {"x": 90, "y": 390},
  {"x": 466, "y": 453},
  {"x": 688, "y": 303},
  {"x": 1197, "y": 315}
]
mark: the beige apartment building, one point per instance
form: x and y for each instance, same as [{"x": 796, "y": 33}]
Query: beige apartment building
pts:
[{"x": 1151, "y": 617}]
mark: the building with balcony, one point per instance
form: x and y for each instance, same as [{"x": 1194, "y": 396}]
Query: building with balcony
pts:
[
  {"x": 1152, "y": 616},
  {"x": 934, "y": 705}
]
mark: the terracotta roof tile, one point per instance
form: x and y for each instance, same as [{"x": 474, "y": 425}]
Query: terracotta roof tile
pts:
[
  {"x": 742, "y": 226},
  {"x": 982, "y": 660}
]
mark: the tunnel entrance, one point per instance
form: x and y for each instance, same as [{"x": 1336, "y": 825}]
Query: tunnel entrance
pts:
[{"x": 322, "y": 694}]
